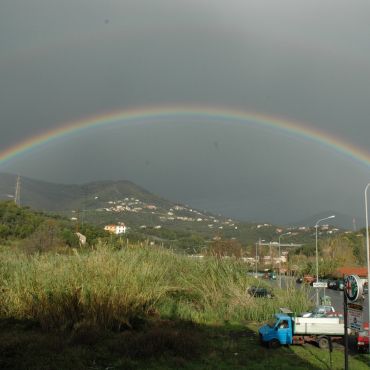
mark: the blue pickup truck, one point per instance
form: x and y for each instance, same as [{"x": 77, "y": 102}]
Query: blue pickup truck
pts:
[{"x": 286, "y": 329}]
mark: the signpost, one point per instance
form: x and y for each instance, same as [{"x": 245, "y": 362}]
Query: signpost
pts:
[
  {"x": 353, "y": 287},
  {"x": 355, "y": 316},
  {"x": 353, "y": 308},
  {"x": 320, "y": 284}
]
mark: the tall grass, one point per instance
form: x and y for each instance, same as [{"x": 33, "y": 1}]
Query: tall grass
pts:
[
  {"x": 103, "y": 287},
  {"x": 111, "y": 289},
  {"x": 215, "y": 290}
]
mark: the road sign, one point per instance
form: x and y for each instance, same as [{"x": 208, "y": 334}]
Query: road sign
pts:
[
  {"x": 320, "y": 284},
  {"x": 355, "y": 316},
  {"x": 353, "y": 287}
]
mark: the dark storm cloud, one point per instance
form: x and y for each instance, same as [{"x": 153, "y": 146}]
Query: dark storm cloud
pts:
[{"x": 307, "y": 61}]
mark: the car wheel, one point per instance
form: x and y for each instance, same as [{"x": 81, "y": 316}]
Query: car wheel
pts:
[
  {"x": 323, "y": 342},
  {"x": 274, "y": 343}
]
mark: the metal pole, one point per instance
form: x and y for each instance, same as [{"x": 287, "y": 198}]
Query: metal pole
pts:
[
  {"x": 271, "y": 261},
  {"x": 345, "y": 311},
  {"x": 280, "y": 236},
  {"x": 317, "y": 268},
  {"x": 367, "y": 256},
  {"x": 317, "y": 257},
  {"x": 279, "y": 264},
  {"x": 256, "y": 258}
]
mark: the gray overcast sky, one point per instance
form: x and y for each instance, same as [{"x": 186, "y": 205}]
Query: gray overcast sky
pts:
[{"x": 304, "y": 60}]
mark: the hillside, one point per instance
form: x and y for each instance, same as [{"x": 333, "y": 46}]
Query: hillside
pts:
[
  {"x": 144, "y": 213},
  {"x": 48, "y": 196}
]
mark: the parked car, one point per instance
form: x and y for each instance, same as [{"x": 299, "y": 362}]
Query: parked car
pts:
[
  {"x": 339, "y": 285},
  {"x": 269, "y": 275},
  {"x": 363, "y": 339},
  {"x": 320, "y": 311},
  {"x": 260, "y": 292},
  {"x": 332, "y": 284}
]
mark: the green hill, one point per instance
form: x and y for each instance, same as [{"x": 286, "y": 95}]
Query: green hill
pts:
[
  {"x": 146, "y": 215},
  {"x": 48, "y": 196},
  {"x": 39, "y": 231}
]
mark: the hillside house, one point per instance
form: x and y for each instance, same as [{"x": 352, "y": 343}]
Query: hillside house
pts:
[
  {"x": 116, "y": 229},
  {"x": 151, "y": 206}
]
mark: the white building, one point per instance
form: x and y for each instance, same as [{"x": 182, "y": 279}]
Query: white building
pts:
[{"x": 116, "y": 229}]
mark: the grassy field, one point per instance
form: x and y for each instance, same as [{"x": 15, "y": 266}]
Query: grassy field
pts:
[{"x": 144, "y": 308}]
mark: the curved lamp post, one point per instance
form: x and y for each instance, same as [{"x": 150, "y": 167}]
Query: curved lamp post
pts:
[{"x": 317, "y": 256}]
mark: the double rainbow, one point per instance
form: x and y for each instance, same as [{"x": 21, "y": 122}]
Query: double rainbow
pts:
[{"x": 173, "y": 113}]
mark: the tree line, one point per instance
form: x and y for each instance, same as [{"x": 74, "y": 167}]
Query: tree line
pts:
[{"x": 38, "y": 231}]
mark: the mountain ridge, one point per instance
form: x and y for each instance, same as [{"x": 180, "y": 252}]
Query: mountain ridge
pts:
[{"x": 65, "y": 198}]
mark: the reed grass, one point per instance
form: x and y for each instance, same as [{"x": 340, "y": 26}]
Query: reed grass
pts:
[{"x": 114, "y": 288}]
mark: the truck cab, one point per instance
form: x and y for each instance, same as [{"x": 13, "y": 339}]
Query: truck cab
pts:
[{"x": 278, "y": 331}]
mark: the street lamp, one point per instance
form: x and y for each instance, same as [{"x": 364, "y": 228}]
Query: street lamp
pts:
[
  {"x": 257, "y": 258},
  {"x": 317, "y": 257},
  {"x": 280, "y": 236},
  {"x": 367, "y": 256}
]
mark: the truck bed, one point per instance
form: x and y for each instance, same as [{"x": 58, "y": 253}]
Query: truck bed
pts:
[{"x": 318, "y": 326}]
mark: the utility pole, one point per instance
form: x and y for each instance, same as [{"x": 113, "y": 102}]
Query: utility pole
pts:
[
  {"x": 345, "y": 312},
  {"x": 270, "y": 252},
  {"x": 78, "y": 221},
  {"x": 256, "y": 259},
  {"x": 17, "y": 196}
]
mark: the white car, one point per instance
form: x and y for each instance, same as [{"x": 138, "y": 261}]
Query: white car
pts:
[{"x": 320, "y": 311}]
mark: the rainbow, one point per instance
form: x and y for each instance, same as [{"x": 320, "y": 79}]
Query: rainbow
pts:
[{"x": 293, "y": 129}]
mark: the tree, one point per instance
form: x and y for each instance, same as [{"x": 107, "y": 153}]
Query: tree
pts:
[
  {"x": 47, "y": 237},
  {"x": 338, "y": 249},
  {"x": 222, "y": 248}
]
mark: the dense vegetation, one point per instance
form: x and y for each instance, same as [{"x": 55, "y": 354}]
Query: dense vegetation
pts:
[
  {"x": 138, "y": 307},
  {"x": 347, "y": 249},
  {"x": 111, "y": 288},
  {"x": 39, "y": 231},
  {"x": 123, "y": 305}
]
